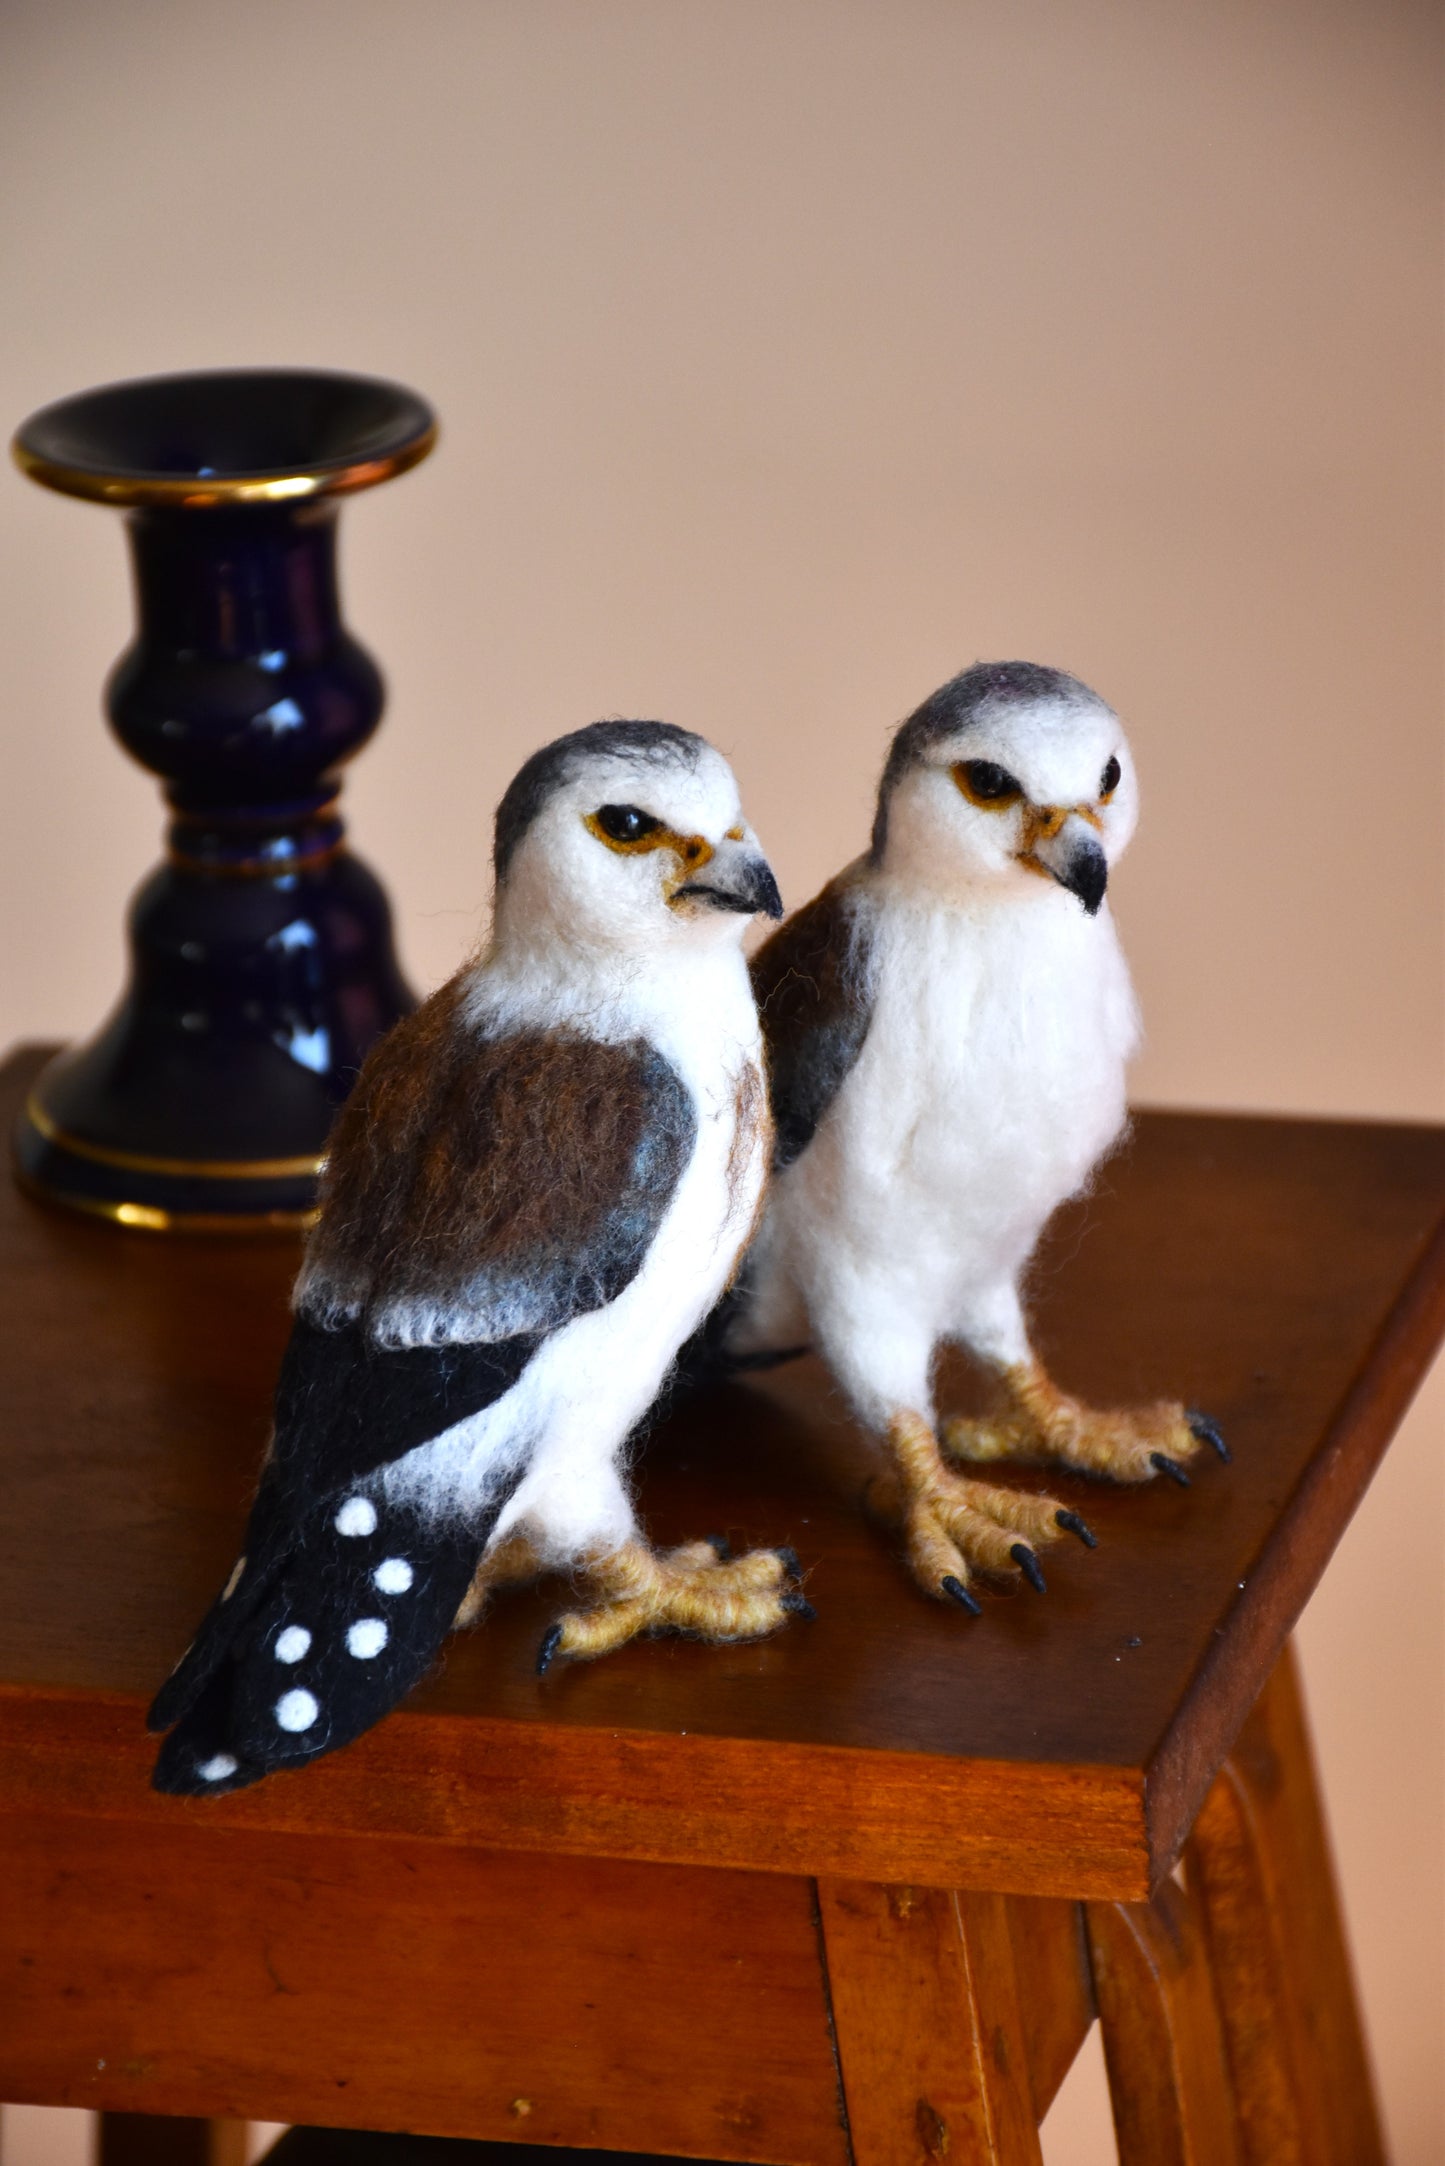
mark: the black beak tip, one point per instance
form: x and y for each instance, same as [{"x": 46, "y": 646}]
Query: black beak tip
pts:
[
  {"x": 1088, "y": 877},
  {"x": 769, "y": 899}
]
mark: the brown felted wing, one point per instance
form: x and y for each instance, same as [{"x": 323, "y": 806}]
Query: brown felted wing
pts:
[
  {"x": 506, "y": 1183},
  {"x": 811, "y": 984}
]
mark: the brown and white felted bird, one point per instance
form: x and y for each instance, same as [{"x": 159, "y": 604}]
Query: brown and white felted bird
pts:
[
  {"x": 948, "y": 1025},
  {"x": 541, "y": 1183}
]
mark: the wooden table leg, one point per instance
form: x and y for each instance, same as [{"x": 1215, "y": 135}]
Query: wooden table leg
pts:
[
  {"x": 1168, "y": 2078},
  {"x": 1259, "y": 1859},
  {"x": 931, "y": 2048},
  {"x": 158, "y": 2139}
]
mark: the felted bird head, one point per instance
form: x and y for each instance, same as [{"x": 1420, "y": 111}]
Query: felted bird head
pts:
[
  {"x": 1009, "y": 774},
  {"x": 625, "y": 836}
]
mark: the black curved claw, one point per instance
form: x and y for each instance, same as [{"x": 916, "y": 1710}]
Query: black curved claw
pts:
[
  {"x": 797, "y": 1604},
  {"x": 722, "y": 1546},
  {"x": 1072, "y": 1524},
  {"x": 1169, "y": 1466},
  {"x": 1202, "y": 1426},
  {"x": 1028, "y": 1564},
  {"x": 551, "y": 1641},
  {"x": 788, "y": 1559},
  {"x": 954, "y": 1587}
]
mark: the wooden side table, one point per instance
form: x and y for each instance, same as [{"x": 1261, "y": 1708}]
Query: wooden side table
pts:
[{"x": 854, "y": 1894}]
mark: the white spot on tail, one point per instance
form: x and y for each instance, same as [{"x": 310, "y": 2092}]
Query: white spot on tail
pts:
[{"x": 296, "y": 1710}]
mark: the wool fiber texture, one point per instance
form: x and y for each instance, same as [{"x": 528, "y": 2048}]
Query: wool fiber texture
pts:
[
  {"x": 947, "y": 1028},
  {"x": 493, "y": 1185},
  {"x": 541, "y": 1184}
]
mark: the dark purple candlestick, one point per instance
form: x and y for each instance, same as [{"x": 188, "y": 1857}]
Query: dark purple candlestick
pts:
[{"x": 261, "y": 950}]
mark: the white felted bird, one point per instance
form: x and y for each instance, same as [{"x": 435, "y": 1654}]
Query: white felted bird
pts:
[
  {"x": 541, "y": 1183},
  {"x": 947, "y": 1027}
]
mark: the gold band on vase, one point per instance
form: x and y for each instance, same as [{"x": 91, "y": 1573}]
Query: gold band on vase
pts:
[
  {"x": 149, "y": 1218},
  {"x": 193, "y": 492},
  {"x": 197, "y": 1169}
]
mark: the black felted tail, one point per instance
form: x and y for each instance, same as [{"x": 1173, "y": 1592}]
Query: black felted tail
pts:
[
  {"x": 345, "y": 1624},
  {"x": 317, "y": 1538},
  {"x": 262, "y": 1554}
]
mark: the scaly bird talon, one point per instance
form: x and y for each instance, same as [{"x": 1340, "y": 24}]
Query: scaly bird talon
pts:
[
  {"x": 1038, "y": 1424},
  {"x": 1202, "y": 1426},
  {"x": 955, "y": 1526},
  {"x": 551, "y": 1641},
  {"x": 691, "y": 1589},
  {"x": 797, "y": 1604},
  {"x": 1028, "y": 1564},
  {"x": 788, "y": 1558},
  {"x": 1072, "y": 1524},
  {"x": 721, "y": 1545}
]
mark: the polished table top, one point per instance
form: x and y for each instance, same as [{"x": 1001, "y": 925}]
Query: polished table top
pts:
[{"x": 1288, "y": 1276}]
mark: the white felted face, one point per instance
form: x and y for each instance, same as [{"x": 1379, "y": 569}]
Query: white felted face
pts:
[
  {"x": 637, "y": 850},
  {"x": 1022, "y": 797}
]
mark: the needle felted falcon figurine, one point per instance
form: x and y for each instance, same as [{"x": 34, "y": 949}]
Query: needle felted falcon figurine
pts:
[
  {"x": 541, "y": 1182},
  {"x": 947, "y": 1027}
]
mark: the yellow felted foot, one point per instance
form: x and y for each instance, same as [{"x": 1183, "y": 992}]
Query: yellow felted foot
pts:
[
  {"x": 1043, "y": 1424},
  {"x": 955, "y": 1527},
  {"x": 507, "y": 1565},
  {"x": 698, "y": 1589}
]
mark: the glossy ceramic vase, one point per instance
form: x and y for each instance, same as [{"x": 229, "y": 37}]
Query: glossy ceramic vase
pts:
[{"x": 262, "y": 964}]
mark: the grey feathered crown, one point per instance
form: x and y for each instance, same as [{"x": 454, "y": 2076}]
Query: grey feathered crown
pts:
[
  {"x": 547, "y": 770},
  {"x": 963, "y": 700}
]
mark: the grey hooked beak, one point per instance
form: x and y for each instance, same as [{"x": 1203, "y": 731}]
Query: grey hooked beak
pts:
[
  {"x": 1075, "y": 858},
  {"x": 735, "y": 878}
]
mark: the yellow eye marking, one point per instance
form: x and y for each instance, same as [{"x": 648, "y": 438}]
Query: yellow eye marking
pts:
[
  {"x": 734, "y": 834},
  {"x": 693, "y": 850},
  {"x": 1003, "y": 801}
]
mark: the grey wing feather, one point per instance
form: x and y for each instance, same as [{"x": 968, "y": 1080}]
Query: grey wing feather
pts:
[{"x": 811, "y": 980}]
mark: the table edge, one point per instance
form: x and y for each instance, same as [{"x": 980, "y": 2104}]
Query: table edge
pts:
[
  {"x": 1213, "y": 1709},
  {"x": 663, "y": 1797}
]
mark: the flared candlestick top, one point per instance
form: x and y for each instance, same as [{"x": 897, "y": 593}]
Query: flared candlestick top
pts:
[{"x": 226, "y": 436}]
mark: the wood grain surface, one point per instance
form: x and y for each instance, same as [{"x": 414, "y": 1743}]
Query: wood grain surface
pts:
[
  {"x": 1259, "y": 1866},
  {"x": 1288, "y": 1276},
  {"x": 1168, "y": 2077},
  {"x": 212, "y": 1971},
  {"x": 931, "y": 2040}
]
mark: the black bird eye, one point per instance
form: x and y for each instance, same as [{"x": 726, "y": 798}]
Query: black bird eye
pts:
[
  {"x": 1109, "y": 779},
  {"x": 625, "y": 823},
  {"x": 987, "y": 784}
]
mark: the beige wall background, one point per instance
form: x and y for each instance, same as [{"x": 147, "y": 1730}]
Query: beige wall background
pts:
[{"x": 791, "y": 354}]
